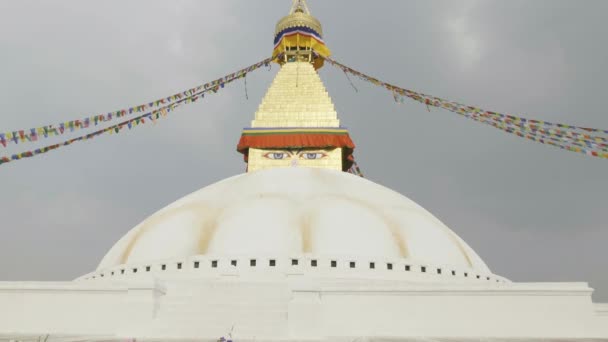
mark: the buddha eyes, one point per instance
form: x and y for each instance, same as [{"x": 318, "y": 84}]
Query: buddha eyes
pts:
[
  {"x": 276, "y": 155},
  {"x": 312, "y": 156},
  {"x": 301, "y": 155}
]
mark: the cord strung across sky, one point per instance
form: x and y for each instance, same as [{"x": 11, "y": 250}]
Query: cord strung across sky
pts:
[
  {"x": 589, "y": 141},
  {"x": 34, "y": 134},
  {"x": 160, "y": 111}
]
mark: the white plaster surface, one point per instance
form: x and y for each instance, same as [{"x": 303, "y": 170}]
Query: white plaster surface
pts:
[
  {"x": 299, "y": 308},
  {"x": 295, "y": 211},
  {"x": 296, "y": 255}
]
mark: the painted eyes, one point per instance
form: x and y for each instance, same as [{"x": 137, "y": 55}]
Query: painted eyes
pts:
[
  {"x": 276, "y": 155},
  {"x": 312, "y": 156},
  {"x": 289, "y": 155}
]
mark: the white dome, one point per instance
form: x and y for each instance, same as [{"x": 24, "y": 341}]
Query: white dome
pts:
[{"x": 295, "y": 211}]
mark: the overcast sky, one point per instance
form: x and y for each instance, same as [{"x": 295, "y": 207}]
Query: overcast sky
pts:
[{"x": 532, "y": 212}]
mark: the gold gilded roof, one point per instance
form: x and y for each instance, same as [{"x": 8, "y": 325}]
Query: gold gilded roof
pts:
[
  {"x": 299, "y": 19},
  {"x": 296, "y": 98},
  {"x": 299, "y": 16}
]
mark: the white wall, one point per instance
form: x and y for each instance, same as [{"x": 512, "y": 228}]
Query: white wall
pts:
[
  {"x": 299, "y": 307},
  {"x": 458, "y": 313},
  {"x": 75, "y": 308}
]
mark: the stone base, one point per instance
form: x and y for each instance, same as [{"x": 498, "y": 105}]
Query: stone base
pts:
[{"x": 299, "y": 309}]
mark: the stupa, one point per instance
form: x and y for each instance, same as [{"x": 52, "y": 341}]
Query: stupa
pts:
[{"x": 296, "y": 249}]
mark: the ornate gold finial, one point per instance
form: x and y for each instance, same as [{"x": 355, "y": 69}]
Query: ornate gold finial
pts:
[{"x": 299, "y": 6}]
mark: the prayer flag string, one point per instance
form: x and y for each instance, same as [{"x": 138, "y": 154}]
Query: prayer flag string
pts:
[
  {"x": 152, "y": 116},
  {"x": 355, "y": 170},
  {"x": 567, "y": 137},
  {"x": 34, "y": 134}
]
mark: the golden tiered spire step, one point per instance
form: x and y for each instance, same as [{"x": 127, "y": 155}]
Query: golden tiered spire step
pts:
[{"x": 296, "y": 98}]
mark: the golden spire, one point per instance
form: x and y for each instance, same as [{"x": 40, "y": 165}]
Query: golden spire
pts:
[
  {"x": 296, "y": 124},
  {"x": 296, "y": 98}
]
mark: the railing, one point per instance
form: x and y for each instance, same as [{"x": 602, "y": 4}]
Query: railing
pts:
[{"x": 322, "y": 266}]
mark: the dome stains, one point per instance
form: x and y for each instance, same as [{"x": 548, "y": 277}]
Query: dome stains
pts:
[
  {"x": 282, "y": 212},
  {"x": 208, "y": 229},
  {"x": 306, "y": 231},
  {"x": 203, "y": 213}
]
